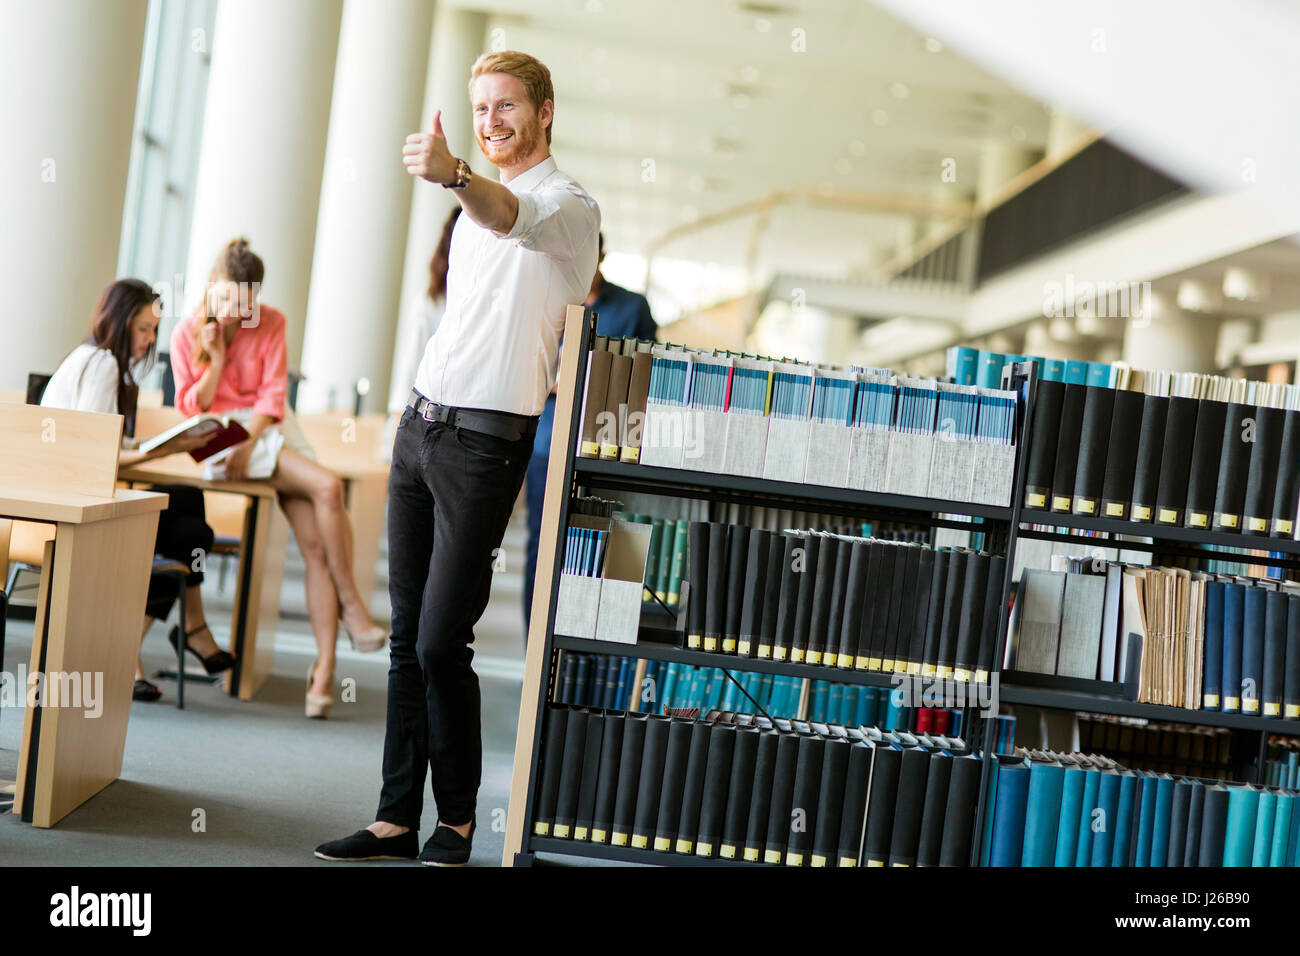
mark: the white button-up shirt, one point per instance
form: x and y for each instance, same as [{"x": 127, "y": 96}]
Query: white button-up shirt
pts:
[{"x": 498, "y": 343}]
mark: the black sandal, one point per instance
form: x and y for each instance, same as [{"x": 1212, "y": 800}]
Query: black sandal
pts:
[
  {"x": 214, "y": 664},
  {"x": 143, "y": 690}
]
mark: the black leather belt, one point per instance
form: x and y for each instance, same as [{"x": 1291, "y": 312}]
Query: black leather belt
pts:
[{"x": 501, "y": 425}]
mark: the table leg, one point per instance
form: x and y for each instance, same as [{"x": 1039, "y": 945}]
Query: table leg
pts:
[{"x": 257, "y": 599}]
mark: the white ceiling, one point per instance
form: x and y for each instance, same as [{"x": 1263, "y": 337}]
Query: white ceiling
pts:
[{"x": 728, "y": 112}]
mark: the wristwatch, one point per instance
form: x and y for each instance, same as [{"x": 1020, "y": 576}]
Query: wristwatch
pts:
[{"x": 463, "y": 174}]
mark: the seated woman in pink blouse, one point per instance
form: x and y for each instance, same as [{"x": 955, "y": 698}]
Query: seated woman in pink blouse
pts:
[{"x": 229, "y": 358}]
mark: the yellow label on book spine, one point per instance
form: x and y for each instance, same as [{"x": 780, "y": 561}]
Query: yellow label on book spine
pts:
[
  {"x": 751, "y": 854},
  {"x": 860, "y": 663},
  {"x": 608, "y": 451},
  {"x": 640, "y": 842},
  {"x": 590, "y": 449},
  {"x": 662, "y": 595},
  {"x": 1142, "y": 512},
  {"x": 887, "y": 665},
  {"x": 672, "y": 597},
  {"x": 685, "y": 846},
  {"x": 1198, "y": 519},
  {"x": 844, "y": 660},
  {"x": 1257, "y": 524},
  {"x": 1250, "y": 705},
  {"x": 620, "y": 839},
  {"x": 778, "y": 653},
  {"x": 742, "y": 647},
  {"x": 561, "y": 831},
  {"x": 580, "y": 833},
  {"x": 1272, "y": 709},
  {"x": 927, "y": 670},
  {"x": 1086, "y": 505},
  {"x": 1167, "y": 516},
  {"x": 873, "y": 663},
  {"x": 848, "y": 861},
  {"x": 772, "y": 856},
  {"x": 1292, "y": 712},
  {"x": 765, "y": 651},
  {"x": 875, "y": 863},
  {"x": 817, "y": 860},
  {"x": 914, "y": 667},
  {"x": 631, "y": 455},
  {"x": 694, "y": 642},
  {"x": 1114, "y": 510},
  {"x": 663, "y": 844},
  {"x": 794, "y": 859},
  {"x": 814, "y": 657},
  {"x": 1035, "y": 500},
  {"x": 541, "y": 829},
  {"x": 1232, "y": 703},
  {"x": 1211, "y": 702},
  {"x": 796, "y": 655},
  {"x": 599, "y": 836},
  {"x": 704, "y": 849},
  {"x": 904, "y": 865},
  {"x": 981, "y": 677},
  {"x": 710, "y": 643},
  {"x": 1283, "y": 525},
  {"x": 943, "y": 670},
  {"x": 729, "y": 645},
  {"x": 1226, "y": 521},
  {"x": 727, "y": 851},
  {"x": 962, "y": 675},
  {"x": 1060, "y": 504}
]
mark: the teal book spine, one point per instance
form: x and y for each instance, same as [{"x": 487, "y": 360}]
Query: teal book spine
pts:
[
  {"x": 1054, "y": 370},
  {"x": 990, "y": 369},
  {"x": 897, "y": 713},
  {"x": 1042, "y": 814},
  {"x": 832, "y": 698},
  {"x": 1009, "y": 816},
  {"x": 1239, "y": 834},
  {"x": 1083, "y": 846},
  {"x": 1293, "y": 841},
  {"x": 1160, "y": 827},
  {"x": 1067, "y": 834},
  {"x": 667, "y": 686},
  {"x": 1099, "y": 373},
  {"x": 1076, "y": 373},
  {"x": 1146, "y": 823},
  {"x": 1128, "y": 787},
  {"x": 1103, "y": 839},
  {"x": 1265, "y": 821},
  {"x": 868, "y": 707},
  {"x": 963, "y": 364},
  {"x": 990, "y": 791},
  {"x": 1282, "y": 821}
]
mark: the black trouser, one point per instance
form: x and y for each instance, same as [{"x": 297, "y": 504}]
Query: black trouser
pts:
[
  {"x": 450, "y": 495},
  {"x": 183, "y": 536}
]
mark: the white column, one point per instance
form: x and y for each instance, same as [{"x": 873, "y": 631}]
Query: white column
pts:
[
  {"x": 264, "y": 145},
  {"x": 458, "y": 39},
  {"x": 1171, "y": 339},
  {"x": 69, "y": 72},
  {"x": 1063, "y": 131},
  {"x": 1000, "y": 162},
  {"x": 365, "y": 202}
]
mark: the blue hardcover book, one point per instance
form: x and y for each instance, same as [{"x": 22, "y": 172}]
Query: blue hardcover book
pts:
[
  {"x": 1146, "y": 822},
  {"x": 615, "y": 682},
  {"x": 1128, "y": 788},
  {"x": 1239, "y": 833},
  {"x": 1252, "y": 650},
  {"x": 1265, "y": 821},
  {"x": 1212, "y": 674},
  {"x": 963, "y": 364},
  {"x": 1160, "y": 825},
  {"x": 1042, "y": 814},
  {"x": 1009, "y": 815},
  {"x": 567, "y": 688},
  {"x": 990, "y": 369},
  {"x": 668, "y": 687},
  {"x": 596, "y": 686},
  {"x": 1103, "y": 837},
  {"x": 832, "y": 699},
  {"x": 1282, "y": 827},
  {"x": 1054, "y": 370},
  {"x": 990, "y": 801},
  {"x": 1067, "y": 833},
  {"x": 1076, "y": 373},
  {"x": 1234, "y": 600},
  {"x": 868, "y": 708},
  {"x": 1292, "y": 769},
  {"x": 850, "y": 704},
  {"x": 1099, "y": 374},
  {"x": 582, "y": 681},
  {"x": 650, "y": 692}
]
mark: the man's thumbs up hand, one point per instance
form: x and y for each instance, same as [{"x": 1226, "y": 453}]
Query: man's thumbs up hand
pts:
[{"x": 426, "y": 155}]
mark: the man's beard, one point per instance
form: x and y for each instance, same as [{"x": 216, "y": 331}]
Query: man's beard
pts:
[{"x": 521, "y": 144}]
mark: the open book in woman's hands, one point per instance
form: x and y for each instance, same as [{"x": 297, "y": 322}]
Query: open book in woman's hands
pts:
[{"x": 220, "y": 432}]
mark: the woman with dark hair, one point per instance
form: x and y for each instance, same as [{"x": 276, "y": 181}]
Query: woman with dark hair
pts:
[
  {"x": 101, "y": 375},
  {"x": 229, "y": 358}
]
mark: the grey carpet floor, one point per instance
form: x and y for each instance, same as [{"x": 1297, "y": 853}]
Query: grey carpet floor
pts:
[{"x": 265, "y": 783}]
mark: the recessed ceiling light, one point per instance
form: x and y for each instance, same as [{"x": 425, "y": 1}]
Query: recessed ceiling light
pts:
[
  {"x": 879, "y": 117},
  {"x": 763, "y": 25},
  {"x": 857, "y": 148},
  {"x": 749, "y": 74},
  {"x": 898, "y": 91},
  {"x": 740, "y": 101},
  {"x": 932, "y": 45},
  {"x": 843, "y": 166}
]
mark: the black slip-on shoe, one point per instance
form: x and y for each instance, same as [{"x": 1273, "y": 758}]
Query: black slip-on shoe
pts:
[
  {"x": 364, "y": 845},
  {"x": 447, "y": 847}
]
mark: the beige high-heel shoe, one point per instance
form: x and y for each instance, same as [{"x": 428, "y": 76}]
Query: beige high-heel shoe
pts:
[
  {"x": 318, "y": 705},
  {"x": 372, "y": 640}
]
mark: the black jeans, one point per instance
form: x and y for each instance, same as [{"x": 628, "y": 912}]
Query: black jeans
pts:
[
  {"x": 450, "y": 495},
  {"x": 182, "y": 530}
]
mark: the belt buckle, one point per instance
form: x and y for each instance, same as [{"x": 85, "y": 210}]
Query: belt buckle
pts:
[{"x": 429, "y": 414}]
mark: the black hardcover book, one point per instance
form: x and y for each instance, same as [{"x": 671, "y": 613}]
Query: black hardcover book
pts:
[
  {"x": 1178, "y": 811},
  {"x": 830, "y": 637},
  {"x": 889, "y": 641},
  {"x": 1122, "y": 454},
  {"x": 1291, "y": 682},
  {"x": 609, "y": 774},
  {"x": 737, "y": 564},
  {"x": 920, "y": 610},
  {"x": 823, "y": 592},
  {"x": 751, "y": 617},
  {"x": 1203, "y": 468},
  {"x": 1175, "y": 460},
  {"x": 882, "y": 598},
  {"x": 791, "y": 574},
  {"x": 899, "y": 646},
  {"x": 778, "y": 821},
  {"x": 992, "y": 617},
  {"x": 934, "y": 616},
  {"x": 629, "y": 780},
  {"x": 593, "y": 692},
  {"x": 552, "y": 764},
  {"x": 812, "y": 545},
  {"x": 933, "y": 810},
  {"x": 1214, "y": 826},
  {"x": 688, "y": 824},
  {"x": 697, "y": 574},
  {"x": 717, "y": 779},
  {"x": 715, "y": 596},
  {"x": 589, "y": 785},
  {"x": 958, "y": 567},
  {"x": 1261, "y": 477},
  {"x": 582, "y": 681},
  {"x": 760, "y": 804},
  {"x": 881, "y": 798},
  {"x": 1239, "y": 434},
  {"x": 1195, "y": 809},
  {"x": 802, "y": 822},
  {"x": 1041, "y": 465},
  {"x": 1274, "y": 680},
  {"x": 568, "y": 687},
  {"x": 870, "y": 605},
  {"x": 830, "y": 802},
  {"x": 650, "y": 782},
  {"x": 1287, "y": 493},
  {"x": 971, "y": 626},
  {"x": 575, "y": 746},
  {"x": 959, "y": 812},
  {"x": 1067, "y": 445},
  {"x": 855, "y": 597},
  {"x": 857, "y": 782},
  {"x": 906, "y": 836},
  {"x": 672, "y": 785},
  {"x": 740, "y": 793},
  {"x": 772, "y": 599},
  {"x": 1094, "y": 439},
  {"x": 1146, "y": 467}
]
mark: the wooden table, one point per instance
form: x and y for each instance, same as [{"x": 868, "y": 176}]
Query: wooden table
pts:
[
  {"x": 90, "y": 606},
  {"x": 263, "y": 542}
]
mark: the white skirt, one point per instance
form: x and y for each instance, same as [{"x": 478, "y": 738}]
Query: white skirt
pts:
[{"x": 266, "y": 451}]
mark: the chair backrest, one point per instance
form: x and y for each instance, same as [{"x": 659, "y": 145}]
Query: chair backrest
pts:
[
  {"x": 36, "y": 383},
  {"x": 56, "y": 450}
]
